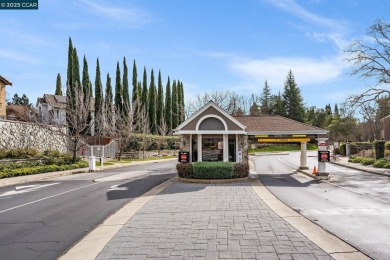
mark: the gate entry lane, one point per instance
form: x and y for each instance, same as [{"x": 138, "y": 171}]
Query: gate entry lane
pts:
[{"x": 350, "y": 205}]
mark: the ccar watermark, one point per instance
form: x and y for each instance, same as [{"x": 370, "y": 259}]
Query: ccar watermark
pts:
[{"x": 19, "y": 4}]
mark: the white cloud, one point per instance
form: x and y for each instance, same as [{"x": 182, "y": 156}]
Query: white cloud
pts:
[
  {"x": 133, "y": 17},
  {"x": 274, "y": 70}
]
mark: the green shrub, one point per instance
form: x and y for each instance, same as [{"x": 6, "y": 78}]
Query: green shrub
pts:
[
  {"x": 387, "y": 145},
  {"x": 342, "y": 149},
  {"x": 381, "y": 163},
  {"x": 184, "y": 170},
  {"x": 355, "y": 159},
  {"x": 379, "y": 149},
  {"x": 241, "y": 170},
  {"x": 368, "y": 161},
  {"x": 212, "y": 170}
]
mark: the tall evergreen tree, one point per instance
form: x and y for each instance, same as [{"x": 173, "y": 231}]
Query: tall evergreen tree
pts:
[
  {"x": 98, "y": 97},
  {"x": 126, "y": 95},
  {"x": 69, "y": 73},
  {"x": 265, "y": 99},
  {"x": 175, "y": 106},
  {"x": 293, "y": 100},
  {"x": 160, "y": 102},
  {"x": 118, "y": 91},
  {"x": 144, "y": 97},
  {"x": 135, "y": 98},
  {"x": 168, "y": 105},
  {"x": 182, "y": 106},
  {"x": 85, "y": 80},
  {"x": 58, "y": 85},
  {"x": 278, "y": 107},
  {"x": 76, "y": 71},
  {"x": 108, "y": 101},
  {"x": 336, "y": 110},
  {"x": 152, "y": 104}
]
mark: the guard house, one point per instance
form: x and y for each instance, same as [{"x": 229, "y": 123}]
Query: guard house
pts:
[{"x": 211, "y": 134}]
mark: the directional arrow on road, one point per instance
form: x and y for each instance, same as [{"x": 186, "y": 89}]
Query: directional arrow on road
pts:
[
  {"x": 115, "y": 187},
  {"x": 27, "y": 188}
]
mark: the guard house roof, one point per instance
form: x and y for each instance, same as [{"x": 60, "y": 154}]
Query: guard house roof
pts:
[
  {"x": 5, "y": 81},
  {"x": 249, "y": 125},
  {"x": 274, "y": 124}
]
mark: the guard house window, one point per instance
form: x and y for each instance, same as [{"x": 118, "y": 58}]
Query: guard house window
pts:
[{"x": 212, "y": 149}]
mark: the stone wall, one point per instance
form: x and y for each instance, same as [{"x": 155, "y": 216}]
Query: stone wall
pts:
[
  {"x": 15, "y": 134},
  {"x": 243, "y": 146}
]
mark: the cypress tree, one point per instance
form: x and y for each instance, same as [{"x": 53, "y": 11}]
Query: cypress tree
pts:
[
  {"x": 58, "y": 85},
  {"x": 85, "y": 81},
  {"x": 336, "y": 109},
  {"x": 69, "y": 73},
  {"x": 76, "y": 71},
  {"x": 144, "y": 97},
  {"x": 126, "y": 95},
  {"x": 152, "y": 104},
  {"x": 98, "y": 96},
  {"x": 135, "y": 99},
  {"x": 118, "y": 91},
  {"x": 292, "y": 99},
  {"x": 108, "y": 101},
  {"x": 168, "y": 105},
  {"x": 175, "y": 106},
  {"x": 160, "y": 102},
  {"x": 182, "y": 108}
]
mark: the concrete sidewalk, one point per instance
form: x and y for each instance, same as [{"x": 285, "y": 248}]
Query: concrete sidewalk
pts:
[
  {"x": 343, "y": 161},
  {"x": 240, "y": 220}
]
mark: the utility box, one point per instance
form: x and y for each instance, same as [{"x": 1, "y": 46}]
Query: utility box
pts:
[
  {"x": 92, "y": 163},
  {"x": 184, "y": 157}
]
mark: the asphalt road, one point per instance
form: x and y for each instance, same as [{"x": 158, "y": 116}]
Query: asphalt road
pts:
[
  {"x": 353, "y": 205},
  {"x": 42, "y": 220}
]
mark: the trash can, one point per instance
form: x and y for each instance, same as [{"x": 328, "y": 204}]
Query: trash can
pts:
[{"x": 92, "y": 163}]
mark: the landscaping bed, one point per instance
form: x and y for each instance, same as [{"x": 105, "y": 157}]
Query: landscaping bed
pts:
[
  {"x": 212, "y": 170},
  {"x": 381, "y": 163},
  {"x": 19, "y": 162}
]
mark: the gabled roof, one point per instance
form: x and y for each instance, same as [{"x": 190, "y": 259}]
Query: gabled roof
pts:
[
  {"x": 58, "y": 101},
  {"x": 5, "y": 81},
  {"x": 274, "y": 124},
  {"x": 204, "y": 110}
]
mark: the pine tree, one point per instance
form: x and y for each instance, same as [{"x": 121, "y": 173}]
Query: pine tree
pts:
[
  {"x": 336, "y": 110},
  {"x": 265, "y": 99},
  {"x": 175, "y": 106},
  {"x": 168, "y": 105},
  {"x": 135, "y": 99},
  {"x": 58, "y": 85},
  {"x": 160, "y": 103},
  {"x": 98, "y": 97},
  {"x": 278, "y": 107},
  {"x": 126, "y": 95},
  {"x": 144, "y": 97},
  {"x": 152, "y": 105},
  {"x": 254, "y": 110},
  {"x": 293, "y": 100},
  {"x": 108, "y": 101},
  {"x": 118, "y": 91}
]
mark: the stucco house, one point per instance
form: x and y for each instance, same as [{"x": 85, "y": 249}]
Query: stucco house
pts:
[
  {"x": 52, "y": 108},
  {"x": 3, "y": 82}
]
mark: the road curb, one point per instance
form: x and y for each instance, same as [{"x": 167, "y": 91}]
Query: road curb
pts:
[
  {"x": 92, "y": 244},
  {"x": 366, "y": 169}
]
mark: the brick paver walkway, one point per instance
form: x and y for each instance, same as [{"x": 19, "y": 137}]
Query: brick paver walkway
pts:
[{"x": 205, "y": 221}]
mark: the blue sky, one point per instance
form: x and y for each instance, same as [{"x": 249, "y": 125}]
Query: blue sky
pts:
[{"x": 207, "y": 44}]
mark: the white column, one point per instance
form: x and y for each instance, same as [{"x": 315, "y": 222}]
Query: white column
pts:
[
  {"x": 199, "y": 147},
  {"x": 303, "y": 165},
  {"x": 322, "y": 165},
  {"x": 225, "y": 148},
  {"x": 190, "y": 159},
  {"x": 236, "y": 148}
]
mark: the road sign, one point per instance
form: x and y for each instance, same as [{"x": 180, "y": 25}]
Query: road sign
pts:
[
  {"x": 321, "y": 146},
  {"x": 283, "y": 140},
  {"x": 323, "y": 156}
]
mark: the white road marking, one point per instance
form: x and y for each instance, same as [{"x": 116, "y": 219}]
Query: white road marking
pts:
[
  {"x": 27, "y": 188},
  {"x": 56, "y": 195},
  {"x": 115, "y": 187}
]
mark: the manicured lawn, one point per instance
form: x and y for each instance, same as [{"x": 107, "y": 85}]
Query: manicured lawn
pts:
[{"x": 282, "y": 148}]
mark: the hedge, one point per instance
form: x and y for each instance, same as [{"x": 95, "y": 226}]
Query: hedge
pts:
[
  {"x": 212, "y": 170},
  {"x": 241, "y": 170},
  {"x": 379, "y": 149},
  {"x": 184, "y": 170},
  {"x": 387, "y": 145},
  {"x": 382, "y": 163},
  {"x": 41, "y": 169}
]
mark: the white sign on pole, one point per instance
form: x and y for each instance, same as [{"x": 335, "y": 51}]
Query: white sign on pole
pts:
[{"x": 321, "y": 146}]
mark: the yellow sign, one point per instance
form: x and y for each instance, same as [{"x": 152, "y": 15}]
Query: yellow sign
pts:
[{"x": 283, "y": 140}]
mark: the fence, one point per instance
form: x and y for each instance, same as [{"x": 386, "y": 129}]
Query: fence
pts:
[{"x": 100, "y": 151}]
